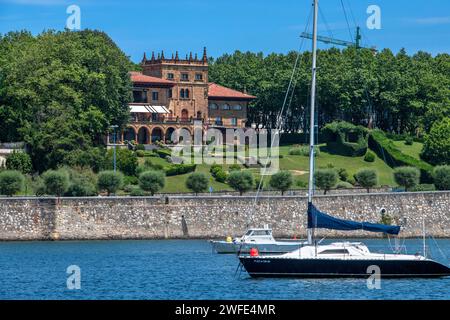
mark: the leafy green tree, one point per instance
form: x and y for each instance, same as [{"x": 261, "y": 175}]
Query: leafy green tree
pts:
[
  {"x": 19, "y": 161},
  {"x": 197, "y": 182},
  {"x": 436, "y": 149},
  {"x": 326, "y": 179},
  {"x": 282, "y": 181},
  {"x": 109, "y": 181},
  {"x": 126, "y": 161},
  {"x": 367, "y": 178},
  {"x": 61, "y": 91},
  {"x": 407, "y": 177},
  {"x": 56, "y": 182},
  {"x": 441, "y": 176},
  {"x": 11, "y": 182},
  {"x": 152, "y": 181},
  {"x": 241, "y": 181}
]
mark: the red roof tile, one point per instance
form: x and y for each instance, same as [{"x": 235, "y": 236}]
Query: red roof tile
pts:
[
  {"x": 138, "y": 77},
  {"x": 220, "y": 92}
]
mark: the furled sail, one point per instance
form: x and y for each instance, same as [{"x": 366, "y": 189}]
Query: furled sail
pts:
[{"x": 318, "y": 219}]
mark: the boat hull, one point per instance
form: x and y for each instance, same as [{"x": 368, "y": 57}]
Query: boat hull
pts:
[
  {"x": 341, "y": 268},
  {"x": 278, "y": 247}
]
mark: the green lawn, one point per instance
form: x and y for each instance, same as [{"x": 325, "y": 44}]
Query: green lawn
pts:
[
  {"x": 298, "y": 165},
  {"x": 412, "y": 150}
]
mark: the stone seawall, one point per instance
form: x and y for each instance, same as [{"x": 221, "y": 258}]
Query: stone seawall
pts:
[{"x": 211, "y": 216}]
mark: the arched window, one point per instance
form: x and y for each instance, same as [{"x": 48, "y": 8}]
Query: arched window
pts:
[
  {"x": 226, "y": 106},
  {"x": 237, "y": 107},
  {"x": 182, "y": 93},
  {"x": 213, "y": 106},
  {"x": 186, "y": 93}
]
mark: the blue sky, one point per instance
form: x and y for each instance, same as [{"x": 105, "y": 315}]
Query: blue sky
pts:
[{"x": 227, "y": 25}]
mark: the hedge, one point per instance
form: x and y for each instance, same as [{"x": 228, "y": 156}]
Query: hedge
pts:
[
  {"x": 386, "y": 150},
  {"x": 176, "y": 169},
  {"x": 337, "y": 134}
]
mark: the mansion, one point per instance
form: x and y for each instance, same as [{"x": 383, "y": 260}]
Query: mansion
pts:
[{"x": 171, "y": 94}]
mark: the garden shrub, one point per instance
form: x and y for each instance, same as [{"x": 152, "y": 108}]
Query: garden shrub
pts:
[
  {"x": 441, "y": 176},
  {"x": 370, "y": 156},
  {"x": 177, "y": 169}
]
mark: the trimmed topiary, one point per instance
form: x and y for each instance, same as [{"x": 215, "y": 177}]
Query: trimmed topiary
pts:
[
  {"x": 152, "y": 181},
  {"x": 369, "y": 157},
  {"x": 407, "y": 177},
  {"x": 56, "y": 182},
  {"x": 367, "y": 178},
  {"x": 197, "y": 182},
  {"x": 441, "y": 176},
  {"x": 326, "y": 179},
  {"x": 110, "y": 181},
  {"x": 282, "y": 181},
  {"x": 11, "y": 182}
]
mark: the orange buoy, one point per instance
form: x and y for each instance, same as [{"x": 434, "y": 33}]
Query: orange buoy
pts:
[{"x": 254, "y": 252}]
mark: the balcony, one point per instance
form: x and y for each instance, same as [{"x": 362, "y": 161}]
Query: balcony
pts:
[{"x": 165, "y": 120}]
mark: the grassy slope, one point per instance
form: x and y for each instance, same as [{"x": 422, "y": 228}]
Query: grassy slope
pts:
[
  {"x": 288, "y": 162},
  {"x": 412, "y": 150}
]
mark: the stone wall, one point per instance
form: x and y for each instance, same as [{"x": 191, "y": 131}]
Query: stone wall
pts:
[{"x": 212, "y": 216}]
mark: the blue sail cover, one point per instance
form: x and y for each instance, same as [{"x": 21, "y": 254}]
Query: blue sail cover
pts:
[{"x": 317, "y": 219}]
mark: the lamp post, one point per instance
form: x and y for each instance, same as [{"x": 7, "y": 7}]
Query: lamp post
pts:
[{"x": 114, "y": 142}]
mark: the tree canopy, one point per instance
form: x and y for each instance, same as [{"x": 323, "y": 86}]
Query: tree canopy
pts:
[
  {"x": 59, "y": 92},
  {"x": 407, "y": 93}
]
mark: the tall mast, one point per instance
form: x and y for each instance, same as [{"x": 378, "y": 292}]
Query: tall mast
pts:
[{"x": 312, "y": 115}]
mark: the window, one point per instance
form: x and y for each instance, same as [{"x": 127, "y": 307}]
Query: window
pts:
[
  {"x": 169, "y": 93},
  {"x": 184, "y": 77},
  {"x": 170, "y": 76},
  {"x": 186, "y": 93},
  {"x": 155, "y": 95},
  {"x": 139, "y": 96},
  {"x": 237, "y": 107},
  {"x": 198, "y": 77},
  {"x": 334, "y": 251},
  {"x": 213, "y": 106},
  {"x": 219, "y": 120},
  {"x": 182, "y": 93},
  {"x": 234, "y": 121},
  {"x": 226, "y": 106}
]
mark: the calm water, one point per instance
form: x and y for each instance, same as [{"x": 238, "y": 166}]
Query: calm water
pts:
[{"x": 175, "y": 269}]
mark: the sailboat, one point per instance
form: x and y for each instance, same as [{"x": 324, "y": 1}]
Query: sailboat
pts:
[{"x": 339, "y": 259}]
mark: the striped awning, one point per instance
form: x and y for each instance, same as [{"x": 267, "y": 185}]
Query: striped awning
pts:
[{"x": 140, "y": 108}]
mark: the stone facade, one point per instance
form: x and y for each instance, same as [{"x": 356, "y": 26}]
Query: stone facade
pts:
[
  {"x": 181, "y": 86},
  {"x": 212, "y": 217}
]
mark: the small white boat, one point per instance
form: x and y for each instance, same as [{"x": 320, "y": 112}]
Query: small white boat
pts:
[{"x": 258, "y": 238}]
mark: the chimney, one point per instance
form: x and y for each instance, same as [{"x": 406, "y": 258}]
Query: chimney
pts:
[
  {"x": 144, "y": 59},
  {"x": 153, "y": 55},
  {"x": 190, "y": 56},
  {"x": 162, "y": 54},
  {"x": 196, "y": 57},
  {"x": 176, "y": 56}
]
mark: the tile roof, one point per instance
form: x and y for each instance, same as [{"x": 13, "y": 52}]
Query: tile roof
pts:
[
  {"x": 138, "y": 77},
  {"x": 221, "y": 92}
]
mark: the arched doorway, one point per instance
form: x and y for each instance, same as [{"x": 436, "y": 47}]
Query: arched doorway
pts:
[
  {"x": 143, "y": 136},
  {"x": 169, "y": 133},
  {"x": 157, "y": 135},
  {"x": 184, "y": 115},
  {"x": 129, "y": 134}
]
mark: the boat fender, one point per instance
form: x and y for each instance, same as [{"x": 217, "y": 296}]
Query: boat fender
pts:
[
  {"x": 254, "y": 252},
  {"x": 229, "y": 239}
]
